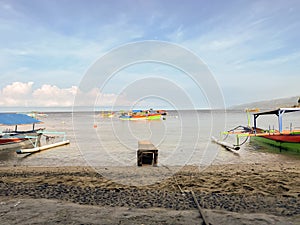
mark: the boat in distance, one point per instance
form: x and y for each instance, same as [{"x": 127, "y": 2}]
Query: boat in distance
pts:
[
  {"x": 142, "y": 115},
  {"x": 137, "y": 117}
]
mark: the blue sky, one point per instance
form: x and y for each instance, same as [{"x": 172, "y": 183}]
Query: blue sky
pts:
[{"x": 46, "y": 46}]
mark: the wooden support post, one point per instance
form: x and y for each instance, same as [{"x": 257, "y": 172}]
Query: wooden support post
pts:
[{"x": 205, "y": 221}]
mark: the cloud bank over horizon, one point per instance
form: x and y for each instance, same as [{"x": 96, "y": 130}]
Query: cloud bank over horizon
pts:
[
  {"x": 251, "y": 47},
  {"x": 20, "y": 94}
]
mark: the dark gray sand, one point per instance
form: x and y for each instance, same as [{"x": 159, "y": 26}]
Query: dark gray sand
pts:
[
  {"x": 44, "y": 211},
  {"x": 228, "y": 194}
]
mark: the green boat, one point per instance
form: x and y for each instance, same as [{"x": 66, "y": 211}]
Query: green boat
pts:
[
  {"x": 288, "y": 140},
  {"x": 284, "y": 140}
]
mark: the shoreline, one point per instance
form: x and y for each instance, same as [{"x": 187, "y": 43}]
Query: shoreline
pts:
[{"x": 271, "y": 190}]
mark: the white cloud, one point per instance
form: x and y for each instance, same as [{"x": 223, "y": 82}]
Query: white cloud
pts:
[
  {"x": 44, "y": 43},
  {"x": 23, "y": 95},
  {"x": 17, "y": 89},
  {"x": 51, "y": 95},
  {"x": 15, "y": 94}
]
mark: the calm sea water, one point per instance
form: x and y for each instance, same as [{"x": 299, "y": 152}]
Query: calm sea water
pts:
[{"x": 183, "y": 138}]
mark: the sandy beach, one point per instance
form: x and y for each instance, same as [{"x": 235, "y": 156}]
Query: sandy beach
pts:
[{"x": 228, "y": 194}]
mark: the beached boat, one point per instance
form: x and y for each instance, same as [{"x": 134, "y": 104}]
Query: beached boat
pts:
[
  {"x": 283, "y": 139},
  {"x": 13, "y": 138},
  {"x": 26, "y": 141},
  {"x": 48, "y": 145}
]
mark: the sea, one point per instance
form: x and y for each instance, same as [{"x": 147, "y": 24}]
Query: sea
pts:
[{"x": 183, "y": 137}]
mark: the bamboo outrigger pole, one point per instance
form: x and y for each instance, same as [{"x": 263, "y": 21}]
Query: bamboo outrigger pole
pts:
[{"x": 226, "y": 145}]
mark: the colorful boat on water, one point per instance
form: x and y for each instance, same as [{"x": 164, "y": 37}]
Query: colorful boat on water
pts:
[
  {"x": 140, "y": 115},
  {"x": 287, "y": 140},
  {"x": 35, "y": 114},
  {"x": 107, "y": 114}
]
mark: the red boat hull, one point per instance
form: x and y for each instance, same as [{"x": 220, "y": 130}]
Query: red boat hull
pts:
[
  {"x": 19, "y": 140},
  {"x": 284, "y": 138},
  {"x": 11, "y": 140}
]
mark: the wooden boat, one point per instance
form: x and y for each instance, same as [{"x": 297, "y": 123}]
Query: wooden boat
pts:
[
  {"x": 44, "y": 147},
  {"x": 18, "y": 141},
  {"x": 25, "y": 141},
  {"x": 36, "y": 115},
  {"x": 162, "y": 112},
  {"x": 252, "y": 110},
  {"x": 12, "y": 139},
  {"x": 283, "y": 139},
  {"x": 107, "y": 114},
  {"x": 141, "y": 115},
  {"x": 288, "y": 140}
]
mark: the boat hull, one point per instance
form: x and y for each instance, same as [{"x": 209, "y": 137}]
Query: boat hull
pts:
[
  {"x": 148, "y": 117},
  {"x": 19, "y": 141},
  {"x": 282, "y": 141}
]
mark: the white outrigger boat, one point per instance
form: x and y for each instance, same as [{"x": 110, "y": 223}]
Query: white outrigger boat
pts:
[
  {"x": 28, "y": 141},
  {"x": 37, "y": 147}
]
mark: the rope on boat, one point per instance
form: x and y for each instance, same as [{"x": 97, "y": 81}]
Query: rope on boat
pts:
[
  {"x": 243, "y": 141},
  {"x": 244, "y": 130},
  {"x": 48, "y": 138},
  {"x": 232, "y": 130}
]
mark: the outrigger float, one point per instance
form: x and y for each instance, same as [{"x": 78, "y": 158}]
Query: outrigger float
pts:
[
  {"x": 37, "y": 148},
  {"x": 21, "y": 141},
  {"x": 288, "y": 140},
  {"x": 226, "y": 145}
]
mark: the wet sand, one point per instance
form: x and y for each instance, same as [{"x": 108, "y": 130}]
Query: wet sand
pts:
[{"x": 228, "y": 194}]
